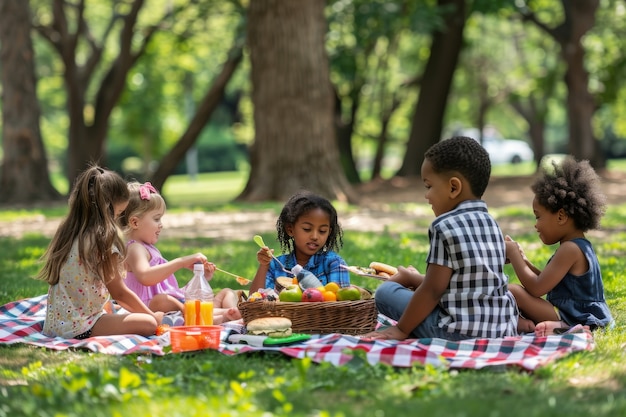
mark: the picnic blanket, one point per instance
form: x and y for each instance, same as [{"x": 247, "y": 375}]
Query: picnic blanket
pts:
[{"x": 22, "y": 322}]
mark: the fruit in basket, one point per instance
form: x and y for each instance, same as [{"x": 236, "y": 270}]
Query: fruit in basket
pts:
[
  {"x": 332, "y": 287},
  {"x": 255, "y": 296},
  {"x": 329, "y": 296},
  {"x": 350, "y": 293},
  {"x": 365, "y": 293},
  {"x": 291, "y": 293},
  {"x": 190, "y": 342},
  {"x": 312, "y": 295}
]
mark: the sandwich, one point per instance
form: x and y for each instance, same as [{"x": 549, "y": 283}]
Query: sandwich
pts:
[{"x": 276, "y": 327}]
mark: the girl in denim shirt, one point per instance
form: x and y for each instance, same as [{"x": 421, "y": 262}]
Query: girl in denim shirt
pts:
[{"x": 310, "y": 235}]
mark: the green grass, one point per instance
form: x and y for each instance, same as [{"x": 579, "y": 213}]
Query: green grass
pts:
[
  {"x": 35, "y": 381},
  {"x": 205, "y": 189}
]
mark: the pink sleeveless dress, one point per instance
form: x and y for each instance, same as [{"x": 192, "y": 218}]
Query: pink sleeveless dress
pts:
[{"x": 168, "y": 286}]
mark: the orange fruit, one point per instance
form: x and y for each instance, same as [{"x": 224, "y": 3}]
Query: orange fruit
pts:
[
  {"x": 162, "y": 328},
  {"x": 329, "y": 296},
  {"x": 332, "y": 287},
  {"x": 189, "y": 342}
]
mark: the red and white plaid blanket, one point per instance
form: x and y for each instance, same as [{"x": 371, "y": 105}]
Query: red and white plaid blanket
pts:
[{"x": 22, "y": 322}]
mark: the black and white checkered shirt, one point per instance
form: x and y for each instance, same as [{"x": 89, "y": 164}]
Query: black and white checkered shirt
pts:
[{"x": 477, "y": 302}]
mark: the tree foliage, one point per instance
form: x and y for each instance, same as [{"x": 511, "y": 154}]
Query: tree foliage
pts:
[{"x": 149, "y": 75}]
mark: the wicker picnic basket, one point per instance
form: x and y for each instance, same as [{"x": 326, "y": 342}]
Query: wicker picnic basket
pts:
[{"x": 346, "y": 317}]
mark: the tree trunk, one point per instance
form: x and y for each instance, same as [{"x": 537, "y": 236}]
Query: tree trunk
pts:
[
  {"x": 579, "y": 19},
  {"x": 344, "y": 130},
  {"x": 209, "y": 103},
  {"x": 295, "y": 145},
  {"x": 435, "y": 86},
  {"x": 534, "y": 112},
  {"x": 24, "y": 177},
  {"x": 580, "y": 103},
  {"x": 383, "y": 137}
]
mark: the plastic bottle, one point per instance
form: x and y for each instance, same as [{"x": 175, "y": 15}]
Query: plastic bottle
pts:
[
  {"x": 198, "y": 299},
  {"x": 306, "y": 279}
]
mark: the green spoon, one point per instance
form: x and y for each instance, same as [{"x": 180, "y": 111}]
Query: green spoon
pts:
[{"x": 259, "y": 241}]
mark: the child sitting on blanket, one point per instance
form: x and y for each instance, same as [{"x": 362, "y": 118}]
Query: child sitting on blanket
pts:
[
  {"x": 310, "y": 234},
  {"x": 84, "y": 265},
  {"x": 150, "y": 275},
  {"x": 464, "y": 292},
  {"x": 567, "y": 203}
]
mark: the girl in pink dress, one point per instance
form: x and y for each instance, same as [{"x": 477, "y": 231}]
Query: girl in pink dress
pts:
[{"x": 149, "y": 275}]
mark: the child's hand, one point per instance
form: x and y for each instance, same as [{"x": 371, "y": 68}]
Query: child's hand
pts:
[
  {"x": 390, "y": 333},
  {"x": 209, "y": 269},
  {"x": 512, "y": 249},
  {"x": 408, "y": 277},
  {"x": 264, "y": 256},
  {"x": 196, "y": 258}
]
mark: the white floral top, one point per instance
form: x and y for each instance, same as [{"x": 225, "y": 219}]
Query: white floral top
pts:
[{"x": 77, "y": 301}]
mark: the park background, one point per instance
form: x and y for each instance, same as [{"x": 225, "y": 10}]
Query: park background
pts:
[{"x": 285, "y": 91}]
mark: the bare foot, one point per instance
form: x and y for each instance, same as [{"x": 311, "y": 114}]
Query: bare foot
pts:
[
  {"x": 226, "y": 315},
  {"x": 232, "y": 314},
  {"x": 525, "y": 325},
  {"x": 547, "y": 328}
]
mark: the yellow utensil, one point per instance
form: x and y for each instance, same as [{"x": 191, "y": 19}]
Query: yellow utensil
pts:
[{"x": 240, "y": 280}]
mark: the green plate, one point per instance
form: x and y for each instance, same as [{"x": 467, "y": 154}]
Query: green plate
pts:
[{"x": 294, "y": 338}]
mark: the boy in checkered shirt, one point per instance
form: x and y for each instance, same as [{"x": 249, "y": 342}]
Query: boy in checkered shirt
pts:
[{"x": 464, "y": 292}]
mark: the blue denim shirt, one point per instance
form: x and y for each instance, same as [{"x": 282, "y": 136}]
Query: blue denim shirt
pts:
[{"x": 324, "y": 265}]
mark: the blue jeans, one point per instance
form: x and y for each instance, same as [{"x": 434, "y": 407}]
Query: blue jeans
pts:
[{"x": 392, "y": 300}]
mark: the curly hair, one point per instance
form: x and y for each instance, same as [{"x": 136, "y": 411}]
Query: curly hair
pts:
[
  {"x": 574, "y": 187},
  {"x": 465, "y": 156},
  {"x": 300, "y": 204}
]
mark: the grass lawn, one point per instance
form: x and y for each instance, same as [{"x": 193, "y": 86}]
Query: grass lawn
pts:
[{"x": 35, "y": 381}]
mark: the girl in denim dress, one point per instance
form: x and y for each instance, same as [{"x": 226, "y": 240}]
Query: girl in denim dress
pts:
[{"x": 568, "y": 202}]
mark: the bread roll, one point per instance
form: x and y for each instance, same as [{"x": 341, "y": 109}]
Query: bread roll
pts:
[{"x": 381, "y": 267}]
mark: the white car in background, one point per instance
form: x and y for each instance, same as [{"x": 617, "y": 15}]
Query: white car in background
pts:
[{"x": 501, "y": 151}]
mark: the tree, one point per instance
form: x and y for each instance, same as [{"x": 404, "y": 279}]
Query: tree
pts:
[
  {"x": 436, "y": 80},
  {"x": 494, "y": 46},
  {"x": 295, "y": 145},
  {"x": 578, "y": 20},
  {"x": 531, "y": 98},
  {"x": 24, "y": 177},
  {"x": 363, "y": 38},
  {"x": 93, "y": 82},
  {"x": 208, "y": 104}
]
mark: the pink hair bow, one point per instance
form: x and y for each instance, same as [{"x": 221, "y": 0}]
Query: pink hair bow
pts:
[{"x": 145, "y": 190}]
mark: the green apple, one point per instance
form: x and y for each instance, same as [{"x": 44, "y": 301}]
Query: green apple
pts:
[
  {"x": 350, "y": 293},
  {"x": 291, "y": 293}
]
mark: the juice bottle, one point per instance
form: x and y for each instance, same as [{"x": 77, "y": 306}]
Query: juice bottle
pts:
[
  {"x": 198, "y": 313},
  {"x": 198, "y": 299}
]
